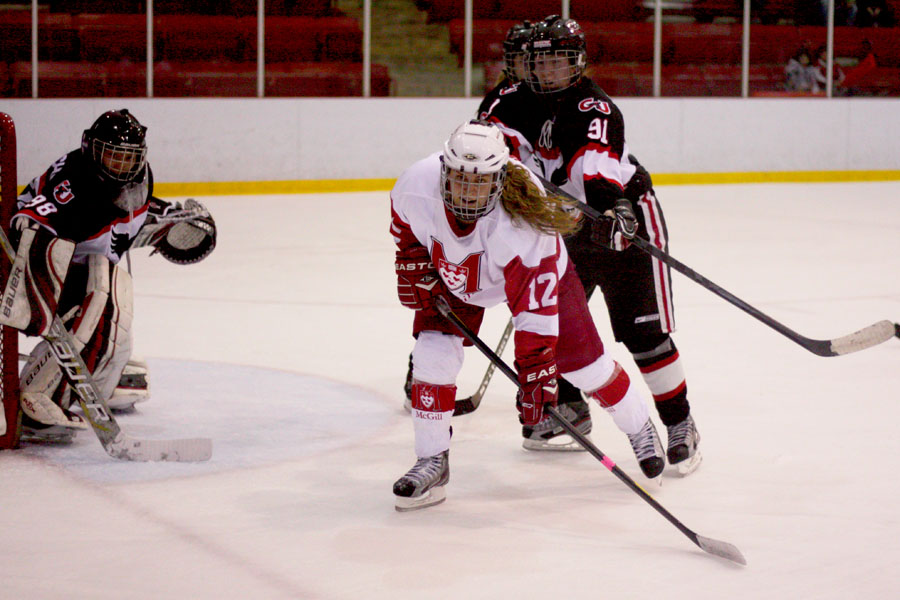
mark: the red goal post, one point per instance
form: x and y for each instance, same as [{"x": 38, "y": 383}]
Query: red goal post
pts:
[{"x": 9, "y": 338}]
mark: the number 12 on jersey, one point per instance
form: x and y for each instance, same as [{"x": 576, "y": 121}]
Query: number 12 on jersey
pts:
[{"x": 548, "y": 282}]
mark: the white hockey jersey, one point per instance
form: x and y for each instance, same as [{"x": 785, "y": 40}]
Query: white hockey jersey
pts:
[{"x": 498, "y": 260}]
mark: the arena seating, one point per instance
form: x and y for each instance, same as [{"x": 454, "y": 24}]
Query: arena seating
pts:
[
  {"x": 234, "y": 8},
  {"x": 85, "y": 55},
  {"x": 440, "y": 11},
  {"x": 625, "y": 49},
  {"x": 194, "y": 79}
]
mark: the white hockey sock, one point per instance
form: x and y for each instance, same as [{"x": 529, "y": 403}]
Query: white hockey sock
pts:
[{"x": 432, "y": 431}]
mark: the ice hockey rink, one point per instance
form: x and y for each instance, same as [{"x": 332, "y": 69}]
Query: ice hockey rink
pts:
[{"x": 288, "y": 348}]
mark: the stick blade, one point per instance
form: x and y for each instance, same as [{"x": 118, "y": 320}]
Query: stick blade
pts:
[
  {"x": 464, "y": 406},
  {"x": 864, "y": 338},
  {"x": 183, "y": 450},
  {"x": 721, "y": 549}
]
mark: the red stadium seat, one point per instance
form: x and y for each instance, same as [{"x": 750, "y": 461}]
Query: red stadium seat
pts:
[
  {"x": 181, "y": 37},
  {"x": 693, "y": 43},
  {"x": 57, "y": 36},
  {"x": 59, "y": 80},
  {"x": 445, "y": 10},
  {"x": 330, "y": 79},
  {"x": 487, "y": 38},
  {"x": 112, "y": 37},
  {"x": 619, "y": 42},
  {"x": 609, "y": 10},
  {"x": 340, "y": 39},
  {"x": 5, "y": 82},
  {"x": 204, "y": 78},
  {"x": 291, "y": 39}
]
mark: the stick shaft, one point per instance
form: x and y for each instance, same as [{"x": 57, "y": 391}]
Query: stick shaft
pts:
[
  {"x": 706, "y": 544},
  {"x": 865, "y": 338}
]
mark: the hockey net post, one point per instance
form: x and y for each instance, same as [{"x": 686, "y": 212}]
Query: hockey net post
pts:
[{"x": 9, "y": 338}]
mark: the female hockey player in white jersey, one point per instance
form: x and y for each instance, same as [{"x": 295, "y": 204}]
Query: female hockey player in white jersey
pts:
[{"x": 474, "y": 226}]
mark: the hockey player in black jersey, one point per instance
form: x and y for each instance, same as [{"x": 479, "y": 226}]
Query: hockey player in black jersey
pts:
[
  {"x": 73, "y": 225},
  {"x": 573, "y": 134}
]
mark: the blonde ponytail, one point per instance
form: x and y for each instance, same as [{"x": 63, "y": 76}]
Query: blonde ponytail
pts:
[{"x": 523, "y": 200}]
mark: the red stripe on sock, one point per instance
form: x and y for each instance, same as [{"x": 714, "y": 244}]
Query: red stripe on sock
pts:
[
  {"x": 660, "y": 364},
  {"x": 613, "y": 392},
  {"x": 670, "y": 395}
]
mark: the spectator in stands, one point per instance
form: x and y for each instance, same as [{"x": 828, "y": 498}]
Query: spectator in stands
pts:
[
  {"x": 799, "y": 73},
  {"x": 874, "y": 13},
  {"x": 820, "y": 73},
  {"x": 845, "y": 12},
  {"x": 860, "y": 72}
]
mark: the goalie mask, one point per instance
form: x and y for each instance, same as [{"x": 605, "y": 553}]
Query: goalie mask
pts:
[
  {"x": 556, "y": 55},
  {"x": 115, "y": 144},
  {"x": 473, "y": 169}
]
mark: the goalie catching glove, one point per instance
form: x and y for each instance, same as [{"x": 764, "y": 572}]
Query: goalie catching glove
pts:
[{"x": 182, "y": 234}]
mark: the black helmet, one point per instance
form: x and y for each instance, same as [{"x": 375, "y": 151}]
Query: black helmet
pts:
[
  {"x": 514, "y": 50},
  {"x": 116, "y": 145},
  {"x": 557, "y": 55}
]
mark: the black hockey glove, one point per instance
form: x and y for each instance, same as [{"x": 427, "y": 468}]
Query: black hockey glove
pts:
[{"x": 616, "y": 228}]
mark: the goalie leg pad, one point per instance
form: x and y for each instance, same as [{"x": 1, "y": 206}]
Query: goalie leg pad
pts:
[
  {"x": 36, "y": 280},
  {"x": 45, "y": 397},
  {"x": 102, "y": 332}
]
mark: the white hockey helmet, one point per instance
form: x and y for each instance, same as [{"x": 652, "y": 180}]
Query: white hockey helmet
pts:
[{"x": 473, "y": 169}]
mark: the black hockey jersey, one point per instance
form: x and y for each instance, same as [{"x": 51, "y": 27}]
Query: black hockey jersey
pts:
[
  {"x": 71, "y": 201},
  {"x": 519, "y": 114},
  {"x": 582, "y": 145},
  {"x": 576, "y": 139}
]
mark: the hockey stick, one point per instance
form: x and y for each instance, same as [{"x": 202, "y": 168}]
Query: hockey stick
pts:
[
  {"x": 470, "y": 404},
  {"x": 715, "y": 547},
  {"x": 115, "y": 441},
  {"x": 867, "y": 337}
]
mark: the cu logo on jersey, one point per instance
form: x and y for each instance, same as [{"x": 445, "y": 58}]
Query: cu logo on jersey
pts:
[
  {"x": 62, "y": 193},
  {"x": 460, "y": 278},
  {"x": 589, "y": 104}
]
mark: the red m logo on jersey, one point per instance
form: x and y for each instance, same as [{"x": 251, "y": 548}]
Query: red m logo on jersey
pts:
[{"x": 461, "y": 278}]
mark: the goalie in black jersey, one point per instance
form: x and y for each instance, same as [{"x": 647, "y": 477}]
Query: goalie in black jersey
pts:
[
  {"x": 564, "y": 126},
  {"x": 73, "y": 225}
]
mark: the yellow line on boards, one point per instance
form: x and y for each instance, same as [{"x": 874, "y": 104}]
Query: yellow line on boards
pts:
[{"x": 329, "y": 186}]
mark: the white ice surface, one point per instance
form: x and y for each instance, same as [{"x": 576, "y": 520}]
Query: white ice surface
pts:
[{"x": 288, "y": 348}]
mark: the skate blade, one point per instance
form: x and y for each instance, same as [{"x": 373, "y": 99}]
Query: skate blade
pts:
[
  {"x": 435, "y": 495},
  {"x": 561, "y": 443},
  {"x": 688, "y": 466}
]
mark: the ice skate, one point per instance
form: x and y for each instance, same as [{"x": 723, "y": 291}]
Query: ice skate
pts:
[
  {"x": 683, "y": 451},
  {"x": 36, "y": 432},
  {"x": 549, "y": 435},
  {"x": 648, "y": 450},
  {"x": 133, "y": 386},
  {"x": 423, "y": 485}
]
